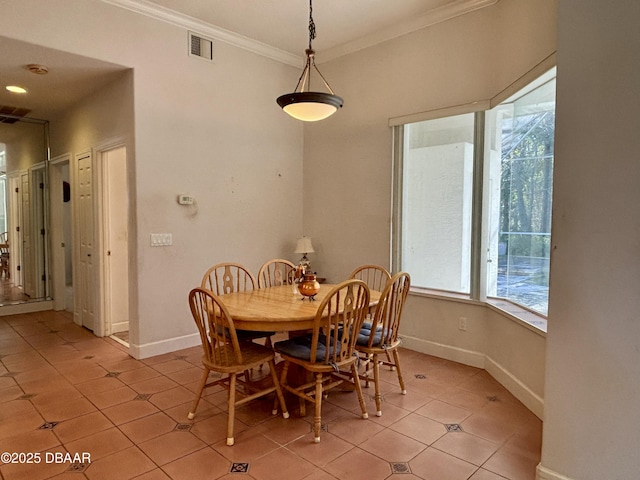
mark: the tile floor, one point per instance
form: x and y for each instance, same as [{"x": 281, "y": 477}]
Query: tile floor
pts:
[{"x": 65, "y": 391}]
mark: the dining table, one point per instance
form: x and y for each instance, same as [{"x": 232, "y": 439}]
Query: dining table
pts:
[
  {"x": 281, "y": 309},
  {"x": 278, "y": 309}
]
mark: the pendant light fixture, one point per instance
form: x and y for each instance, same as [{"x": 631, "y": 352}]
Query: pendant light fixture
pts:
[{"x": 304, "y": 104}]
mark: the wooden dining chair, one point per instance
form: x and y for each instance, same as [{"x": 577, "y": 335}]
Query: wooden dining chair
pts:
[
  {"x": 276, "y": 272},
  {"x": 328, "y": 352},
  {"x": 229, "y": 277},
  {"x": 380, "y": 335},
  {"x": 374, "y": 276},
  {"x": 223, "y": 354},
  {"x": 4, "y": 255}
]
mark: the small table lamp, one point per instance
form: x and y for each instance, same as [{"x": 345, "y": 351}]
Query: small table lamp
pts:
[{"x": 304, "y": 246}]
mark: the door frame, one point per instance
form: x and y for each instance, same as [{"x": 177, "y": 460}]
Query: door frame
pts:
[
  {"x": 100, "y": 279},
  {"x": 14, "y": 227},
  {"x": 58, "y": 283},
  {"x": 103, "y": 215}
]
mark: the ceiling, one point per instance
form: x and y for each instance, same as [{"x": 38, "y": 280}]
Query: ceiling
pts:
[{"x": 282, "y": 25}]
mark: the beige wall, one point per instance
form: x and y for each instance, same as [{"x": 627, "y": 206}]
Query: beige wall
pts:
[
  {"x": 220, "y": 138},
  {"x": 24, "y": 145},
  {"x": 212, "y": 130},
  {"x": 348, "y": 168},
  {"x": 592, "y": 391},
  {"x": 347, "y": 160}
]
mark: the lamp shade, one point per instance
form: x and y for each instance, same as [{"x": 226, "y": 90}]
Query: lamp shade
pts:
[{"x": 304, "y": 245}]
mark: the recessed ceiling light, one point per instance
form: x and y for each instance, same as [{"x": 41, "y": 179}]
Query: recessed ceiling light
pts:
[{"x": 16, "y": 89}]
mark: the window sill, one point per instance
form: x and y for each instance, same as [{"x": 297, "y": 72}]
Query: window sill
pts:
[{"x": 527, "y": 318}]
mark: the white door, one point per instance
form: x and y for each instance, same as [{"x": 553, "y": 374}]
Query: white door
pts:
[
  {"x": 38, "y": 231},
  {"x": 26, "y": 267},
  {"x": 15, "y": 235},
  {"x": 116, "y": 240},
  {"x": 85, "y": 234}
]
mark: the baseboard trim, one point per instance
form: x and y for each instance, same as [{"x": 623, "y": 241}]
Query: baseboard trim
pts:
[
  {"x": 164, "y": 346},
  {"x": 455, "y": 354},
  {"x": 518, "y": 389},
  {"x": 119, "y": 327},
  {"x": 27, "y": 307},
  {"x": 543, "y": 473},
  {"x": 477, "y": 359}
]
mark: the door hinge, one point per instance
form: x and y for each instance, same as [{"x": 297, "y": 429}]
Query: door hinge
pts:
[{"x": 42, "y": 231}]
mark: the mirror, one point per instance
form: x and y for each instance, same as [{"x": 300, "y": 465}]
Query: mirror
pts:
[{"x": 24, "y": 266}]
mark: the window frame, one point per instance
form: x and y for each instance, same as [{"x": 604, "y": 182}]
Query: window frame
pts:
[{"x": 480, "y": 195}]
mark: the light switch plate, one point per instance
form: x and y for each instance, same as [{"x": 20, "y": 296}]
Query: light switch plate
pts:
[{"x": 161, "y": 239}]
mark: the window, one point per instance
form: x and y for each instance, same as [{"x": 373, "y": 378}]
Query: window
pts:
[
  {"x": 442, "y": 169},
  {"x": 436, "y": 202},
  {"x": 520, "y": 233}
]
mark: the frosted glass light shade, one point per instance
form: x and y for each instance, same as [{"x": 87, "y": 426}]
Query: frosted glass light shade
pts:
[{"x": 310, "y": 106}]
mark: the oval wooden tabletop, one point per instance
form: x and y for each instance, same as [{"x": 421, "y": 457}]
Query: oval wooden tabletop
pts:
[{"x": 277, "y": 308}]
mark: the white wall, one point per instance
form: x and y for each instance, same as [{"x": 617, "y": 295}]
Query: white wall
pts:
[
  {"x": 212, "y": 130},
  {"x": 433, "y": 174},
  {"x": 592, "y": 391}
]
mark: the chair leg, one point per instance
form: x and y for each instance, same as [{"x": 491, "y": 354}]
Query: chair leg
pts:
[
  {"x": 317, "y": 417},
  {"x": 367, "y": 366},
  {"x": 356, "y": 381},
  {"x": 231, "y": 413},
  {"x": 279, "y": 395},
  {"x": 203, "y": 382},
  {"x": 376, "y": 382},
  {"x": 396, "y": 358},
  {"x": 389, "y": 361},
  {"x": 283, "y": 383}
]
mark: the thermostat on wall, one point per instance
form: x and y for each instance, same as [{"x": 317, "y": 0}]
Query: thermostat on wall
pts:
[{"x": 185, "y": 199}]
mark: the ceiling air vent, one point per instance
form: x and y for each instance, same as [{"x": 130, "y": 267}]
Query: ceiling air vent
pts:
[
  {"x": 12, "y": 114},
  {"x": 200, "y": 47}
]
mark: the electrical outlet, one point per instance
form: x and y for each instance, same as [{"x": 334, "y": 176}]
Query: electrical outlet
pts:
[
  {"x": 185, "y": 199},
  {"x": 462, "y": 324}
]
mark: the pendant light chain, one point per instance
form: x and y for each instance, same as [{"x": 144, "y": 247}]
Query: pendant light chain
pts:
[
  {"x": 312, "y": 25},
  {"x": 303, "y": 103}
]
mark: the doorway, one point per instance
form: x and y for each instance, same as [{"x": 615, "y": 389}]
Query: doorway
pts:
[
  {"x": 61, "y": 237},
  {"x": 90, "y": 254},
  {"x": 115, "y": 238}
]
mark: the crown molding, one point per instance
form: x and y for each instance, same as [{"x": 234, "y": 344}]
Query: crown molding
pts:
[
  {"x": 432, "y": 17},
  {"x": 177, "y": 19},
  {"x": 437, "y": 15}
]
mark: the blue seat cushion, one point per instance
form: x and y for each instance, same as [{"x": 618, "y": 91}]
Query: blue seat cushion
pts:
[
  {"x": 300, "y": 347},
  {"x": 365, "y": 333}
]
